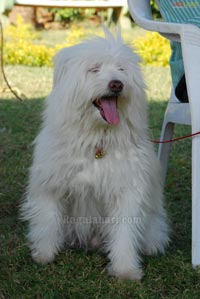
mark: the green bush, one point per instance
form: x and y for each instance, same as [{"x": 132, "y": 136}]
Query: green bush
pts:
[
  {"x": 65, "y": 14},
  {"x": 68, "y": 15},
  {"x": 155, "y": 10}
]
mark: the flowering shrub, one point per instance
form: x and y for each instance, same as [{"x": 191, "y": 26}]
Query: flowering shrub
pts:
[
  {"x": 21, "y": 46},
  {"x": 153, "y": 48},
  {"x": 21, "y": 49},
  {"x": 20, "y": 32},
  {"x": 26, "y": 53}
]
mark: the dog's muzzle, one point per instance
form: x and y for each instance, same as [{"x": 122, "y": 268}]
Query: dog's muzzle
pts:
[{"x": 107, "y": 104}]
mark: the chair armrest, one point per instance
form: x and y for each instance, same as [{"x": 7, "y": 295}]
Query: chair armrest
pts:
[{"x": 140, "y": 11}]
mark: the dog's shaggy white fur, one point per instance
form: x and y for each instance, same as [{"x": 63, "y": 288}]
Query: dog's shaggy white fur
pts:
[{"x": 97, "y": 108}]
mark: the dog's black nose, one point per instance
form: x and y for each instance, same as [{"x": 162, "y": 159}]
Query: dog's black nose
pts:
[{"x": 116, "y": 86}]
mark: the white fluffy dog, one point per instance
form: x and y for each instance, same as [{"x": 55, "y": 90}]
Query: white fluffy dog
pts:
[{"x": 95, "y": 180}]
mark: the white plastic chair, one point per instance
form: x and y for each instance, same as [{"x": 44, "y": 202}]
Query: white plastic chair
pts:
[{"x": 176, "y": 112}]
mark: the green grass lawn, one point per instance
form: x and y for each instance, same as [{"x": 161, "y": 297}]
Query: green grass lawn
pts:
[{"x": 75, "y": 274}]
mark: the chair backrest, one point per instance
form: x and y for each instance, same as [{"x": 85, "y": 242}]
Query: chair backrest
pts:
[{"x": 140, "y": 11}]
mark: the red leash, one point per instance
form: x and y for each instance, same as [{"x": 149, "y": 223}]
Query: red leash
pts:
[{"x": 175, "y": 139}]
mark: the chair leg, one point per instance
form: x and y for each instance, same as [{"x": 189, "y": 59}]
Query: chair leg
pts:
[
  {"x": 164, "y": 149},
  {"x": 195, "y": 201},
  {"x": 190, "y": 47}
]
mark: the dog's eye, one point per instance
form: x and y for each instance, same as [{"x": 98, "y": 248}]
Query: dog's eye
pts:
[
  {"x": 94, "y": 70},
  {"x": 121, "y": 69}
]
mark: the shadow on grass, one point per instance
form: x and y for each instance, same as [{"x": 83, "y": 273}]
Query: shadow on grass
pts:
[
  {"x": 178, "y": 182},
  {"x": 74, "y": 274},
  {"x": 19, "y": 122}
]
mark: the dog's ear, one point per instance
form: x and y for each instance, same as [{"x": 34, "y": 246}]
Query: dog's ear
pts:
[{"x": 60, "y": 68}]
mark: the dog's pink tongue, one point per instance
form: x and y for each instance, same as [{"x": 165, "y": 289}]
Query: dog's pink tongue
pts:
[{"x": 109, "y": 106}]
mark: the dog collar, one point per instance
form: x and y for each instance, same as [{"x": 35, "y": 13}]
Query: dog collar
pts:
[{"x": 99, "y": 153}]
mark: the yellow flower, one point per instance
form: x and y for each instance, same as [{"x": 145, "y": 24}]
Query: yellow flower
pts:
[
  {"x": 153, "y": 48},
  {"x": 21, "y": 46}
]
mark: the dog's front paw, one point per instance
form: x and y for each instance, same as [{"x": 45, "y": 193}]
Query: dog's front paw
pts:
[
  {"x": 42, "y": 258},
  {"x": 131, "y": 274}
]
